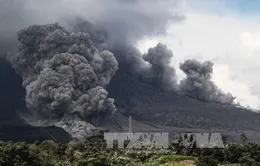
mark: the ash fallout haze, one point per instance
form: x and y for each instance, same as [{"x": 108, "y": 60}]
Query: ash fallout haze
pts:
[{"x": 83, "y": 65}]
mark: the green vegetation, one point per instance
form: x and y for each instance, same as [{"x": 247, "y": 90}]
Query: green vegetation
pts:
[{"x": 93, "y": 152}]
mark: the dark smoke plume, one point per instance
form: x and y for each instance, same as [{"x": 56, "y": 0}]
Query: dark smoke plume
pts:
[
  {"x": 160, "y": 57},
  {"x": 198, "y": 84},
  {"x": 63, "y": 73}
]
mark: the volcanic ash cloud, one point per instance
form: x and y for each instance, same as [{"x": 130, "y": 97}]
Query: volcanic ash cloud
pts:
[
  {"x": 164, "y": 74},
  {"x": 63, "y": 73},
  {"x": 198, "y": 83}
]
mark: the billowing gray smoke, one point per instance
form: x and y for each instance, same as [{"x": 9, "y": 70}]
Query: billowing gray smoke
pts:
[
  {"x": 160, "y": 57},
  {"x": 198, "y": 83},
  {"x": 63, "y": 73}
]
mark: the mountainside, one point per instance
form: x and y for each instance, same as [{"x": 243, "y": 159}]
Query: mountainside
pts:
[
  {"x": 145, "y": 102},
  {"x": 156, "y": 110}
]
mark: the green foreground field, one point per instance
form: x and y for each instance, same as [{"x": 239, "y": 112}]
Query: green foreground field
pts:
[{"x": 93, "y": 152}]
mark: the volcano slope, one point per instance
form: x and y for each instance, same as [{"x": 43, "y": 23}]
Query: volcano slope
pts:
[{"x": 155, "y": 110}]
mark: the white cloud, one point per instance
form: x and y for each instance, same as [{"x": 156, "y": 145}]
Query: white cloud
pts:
[
  {"x": 231, "y": 42},
  {"x": 251, "y": 41}
]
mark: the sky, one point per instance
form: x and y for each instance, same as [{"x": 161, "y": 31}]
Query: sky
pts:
[{"x": 227, "y": 32}]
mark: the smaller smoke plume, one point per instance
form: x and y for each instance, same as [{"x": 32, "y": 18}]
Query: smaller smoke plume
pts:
[
  {"x": 63, "y": 73},
  {"x": 198, "y": 84},
  {"x": 160, "y": 57}
]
